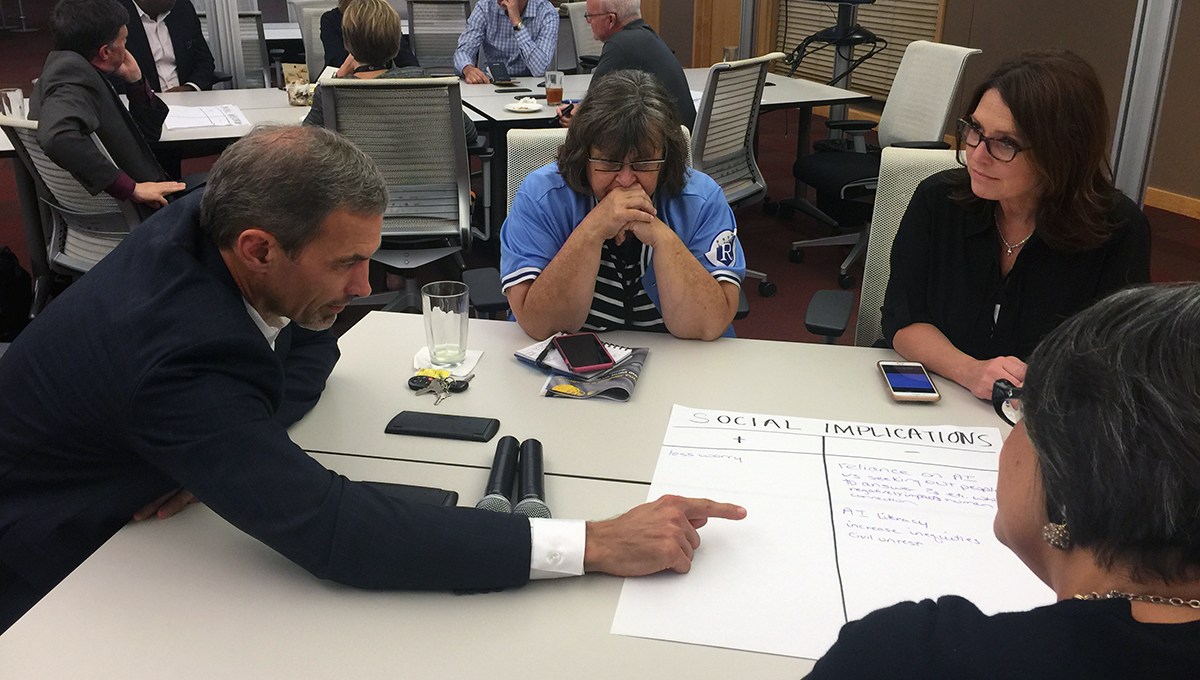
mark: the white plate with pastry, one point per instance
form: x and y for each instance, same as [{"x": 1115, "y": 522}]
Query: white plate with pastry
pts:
[{"x": 524, "y": 105}]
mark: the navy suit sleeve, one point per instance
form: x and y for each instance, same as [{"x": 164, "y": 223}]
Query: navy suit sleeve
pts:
[
  {"x": 192, "y": 54},
  {"x": 204, "y": 416},
  {"x": 310, "y": 357}
]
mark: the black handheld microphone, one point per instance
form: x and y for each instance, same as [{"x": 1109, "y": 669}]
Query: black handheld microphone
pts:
[
  {"x": 497, "y": 496},
  {"x": 531, "y": 489}
]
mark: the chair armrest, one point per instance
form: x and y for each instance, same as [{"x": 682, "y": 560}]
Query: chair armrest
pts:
[
  {"x": 743, "y": 308},
  {"x": 921, "y": 145},
  {"x": 222, "y": 77},
  {"x": 828, "y": 313},
  {"x": 851, "y": 125},
  {"x": 484, "y": 286}
]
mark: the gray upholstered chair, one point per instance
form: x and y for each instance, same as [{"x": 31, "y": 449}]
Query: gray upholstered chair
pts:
[
  {"x": 308, "y": 15},
  {"x": 413, "y": 129},
  {"x": 723, "y": 137},
  {"x": 256, "y": 66},
  {"x": 587, "y": 48},
  {"x": 915, "y": 115},
  {"x": 433, "y": 30},
  {"x": 900, "y": 171},
  {"x": 82, "y": 228}
]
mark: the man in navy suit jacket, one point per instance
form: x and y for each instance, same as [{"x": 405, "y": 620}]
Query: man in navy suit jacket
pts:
[
  {"x": 174, "y": 367},
  {"x": 188, "y": 64}
]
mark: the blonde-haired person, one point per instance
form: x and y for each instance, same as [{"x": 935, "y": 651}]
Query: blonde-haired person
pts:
[
  {"x": 335, "y": 47},
  {"x": 371, "y": 29}
]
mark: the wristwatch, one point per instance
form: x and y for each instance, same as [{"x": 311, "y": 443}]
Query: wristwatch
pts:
[{"x": 519, "y": 25}]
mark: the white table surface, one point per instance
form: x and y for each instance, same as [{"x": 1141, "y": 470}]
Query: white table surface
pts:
[
  {"x": 783, "y": 93},
  {"x": 282, "y": 30},
  {"x": 193, "y": 597},
  {"x": 599, "y": 438}
]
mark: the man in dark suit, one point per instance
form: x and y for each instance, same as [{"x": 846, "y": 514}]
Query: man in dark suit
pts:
[
  {"x": 165, "y": 39},
  {"x": 178, "y": 361},
  {"x": 73, "y": 98}
]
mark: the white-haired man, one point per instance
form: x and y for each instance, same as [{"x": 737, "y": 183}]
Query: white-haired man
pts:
[{"x": 630, "y": 43}]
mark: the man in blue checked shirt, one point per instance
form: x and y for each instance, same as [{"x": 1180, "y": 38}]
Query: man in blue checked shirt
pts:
[{"x": 521, "y": 34}]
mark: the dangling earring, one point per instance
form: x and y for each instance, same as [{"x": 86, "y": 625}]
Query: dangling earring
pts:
[{"x": 1057, "y": 535}]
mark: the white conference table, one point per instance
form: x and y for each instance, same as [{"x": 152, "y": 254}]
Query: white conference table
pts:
[
  {"x": 194, "y": 598},
  {"x": 780, "y": 92},
  {"x": 597, "y": 438}
]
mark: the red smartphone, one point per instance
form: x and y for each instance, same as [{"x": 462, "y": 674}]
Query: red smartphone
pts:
[{"x": 583, "y": 352}]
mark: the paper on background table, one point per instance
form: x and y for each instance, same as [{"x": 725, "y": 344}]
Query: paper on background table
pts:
[
  {"x": 833, "y": 529},
  {"x": 181, "y": 117}
]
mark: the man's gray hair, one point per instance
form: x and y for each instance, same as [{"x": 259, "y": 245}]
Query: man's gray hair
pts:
[
  {"x": 626, "y": 10},
  {"x": 286, "y": 180},
  {"x": 1112, "y": 406}
]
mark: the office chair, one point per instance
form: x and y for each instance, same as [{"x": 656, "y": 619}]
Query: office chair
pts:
[
  {"x": 83, "y": 228},
  {"x": 587, "y": 48},
  {"x": 900, "y": 171},
  {"x": 308, "y": 15},
  {"x": 433, "y": 30},
  {"x": 256, "y": 64},
  {"x": 723, "y": 141},
  {"x": 413, "y": 129},
  {"x": 914, "y": 116}
]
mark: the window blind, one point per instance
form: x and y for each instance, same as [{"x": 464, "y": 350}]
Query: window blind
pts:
[{"x": 897, "y": 21}]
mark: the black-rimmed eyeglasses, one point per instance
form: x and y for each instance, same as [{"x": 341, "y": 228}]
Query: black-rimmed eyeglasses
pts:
[
  {"x": 1003, "y": 150},
  {"x": 605, "y": 165},
  {"x": 1006, "y": 399},
  {"x": 588, "y": 17}
]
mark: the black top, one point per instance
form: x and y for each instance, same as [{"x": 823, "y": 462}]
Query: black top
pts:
[
  {"x": 335, "y": 46},
  {"x": 951, "y": 638},
  {"x": 946, "y": 272},
  {"x": 637, "y": 46},
  {"x": 193, "y": 59}
]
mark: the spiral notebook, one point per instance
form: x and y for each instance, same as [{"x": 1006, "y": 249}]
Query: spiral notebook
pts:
[{"x": 542, "y": 355}]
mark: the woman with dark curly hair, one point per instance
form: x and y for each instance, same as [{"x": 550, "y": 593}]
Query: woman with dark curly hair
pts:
[
  {"x": 620, "y": 233},
  {"x": 991, "y": 258}
]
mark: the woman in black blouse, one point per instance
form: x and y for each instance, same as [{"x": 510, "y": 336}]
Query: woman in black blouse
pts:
[
  {"x": 991, "y": 258},
  {"x": 1098, "y": 494}
]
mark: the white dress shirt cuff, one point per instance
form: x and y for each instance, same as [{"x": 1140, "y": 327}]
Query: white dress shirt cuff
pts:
[{"x": 558, "y": 546}]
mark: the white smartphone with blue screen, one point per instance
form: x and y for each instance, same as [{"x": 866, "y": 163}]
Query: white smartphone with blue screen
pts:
[{"x": 908, "y": 381}]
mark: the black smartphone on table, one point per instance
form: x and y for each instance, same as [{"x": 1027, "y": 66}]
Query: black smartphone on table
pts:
[
  {"x": 583, "y": 352},
  {"x": 498, "y": 72}
]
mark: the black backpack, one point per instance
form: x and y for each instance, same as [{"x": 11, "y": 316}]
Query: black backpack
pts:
[{"x": 16, "y": 295}]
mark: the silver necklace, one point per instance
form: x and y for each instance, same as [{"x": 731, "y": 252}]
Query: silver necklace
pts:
[
  {"x": 1010, "y": 247},
  {"x": 1154, "y": 599}
]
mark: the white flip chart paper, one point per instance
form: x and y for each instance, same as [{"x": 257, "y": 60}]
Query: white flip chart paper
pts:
[
  {"x": 842, "y": 519},
  {"x": 181, "y": 117}
]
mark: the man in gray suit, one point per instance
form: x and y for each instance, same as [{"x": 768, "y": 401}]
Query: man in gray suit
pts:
[{"x": 73, "y": 99}]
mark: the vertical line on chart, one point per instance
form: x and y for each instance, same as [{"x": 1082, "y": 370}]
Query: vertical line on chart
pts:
[{"x": 837, "y": 562}]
